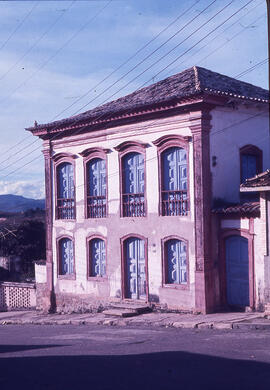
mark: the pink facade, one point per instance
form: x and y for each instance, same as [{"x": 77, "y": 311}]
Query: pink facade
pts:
[{"x": 133, "y": 219}]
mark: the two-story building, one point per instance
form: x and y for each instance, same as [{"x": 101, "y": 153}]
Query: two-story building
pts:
[{"x": 130, "y": 192}]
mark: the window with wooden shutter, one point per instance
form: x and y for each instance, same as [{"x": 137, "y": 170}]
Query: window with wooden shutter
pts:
[
  {"x": 176, "y": 262},
  {"x": 133, "y": 198},
  {"x": 174, "y": 181},
  {"x": 97, "y": 254},
  {"x": 66, "y": 256},
  {"x": 65, "y": 208},
  {"x": 96, "y": 188}
]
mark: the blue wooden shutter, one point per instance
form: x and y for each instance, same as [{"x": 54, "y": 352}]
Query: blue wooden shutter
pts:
[
  {"x": 249, "y": 166},
  {"x": 66, "y": 181},
  {"x": 177, "y": 262},
  {"x": 237, "y": 271},
  {"x": 97, "y": 177},
  {"x": 98, "y": 257},
  {"x": 174, "y": 169},
  {"x": 67, "y": 256},
  {"x": 134, "y": 173}
]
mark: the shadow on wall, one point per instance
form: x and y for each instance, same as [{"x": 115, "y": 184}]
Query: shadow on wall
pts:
[{"x": 157, "y": 371}]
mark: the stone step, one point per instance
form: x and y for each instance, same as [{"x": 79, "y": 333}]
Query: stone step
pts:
[
  {"x": 135, "y": 307},
  {"x": 120, "y": 313},
  {"x": 267, "y": 309}
]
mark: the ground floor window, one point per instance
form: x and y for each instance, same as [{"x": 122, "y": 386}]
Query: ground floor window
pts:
[
  {"x": 97, "y": 258},
  {"x": 66, "y": 256},
  {"x": 175, "y": 261}
]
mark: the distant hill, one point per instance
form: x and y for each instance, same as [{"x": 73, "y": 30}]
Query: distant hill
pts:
[{"x": 15, "y": 203}]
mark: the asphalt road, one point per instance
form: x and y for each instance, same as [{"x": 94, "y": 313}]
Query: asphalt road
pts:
[{"x": 98, "y": 357}]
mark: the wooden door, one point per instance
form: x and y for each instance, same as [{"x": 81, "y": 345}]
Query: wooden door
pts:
[
  {"x": 237, "y": 271},
  {"x": 135, "y": 269}
]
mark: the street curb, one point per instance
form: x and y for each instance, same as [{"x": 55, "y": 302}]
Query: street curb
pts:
[
  {"x": 252, "y": 326},
  {"x": 218, "y": 325}
]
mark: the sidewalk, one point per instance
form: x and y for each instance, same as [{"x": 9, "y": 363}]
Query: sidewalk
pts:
[{"x": 191, "y": 321}]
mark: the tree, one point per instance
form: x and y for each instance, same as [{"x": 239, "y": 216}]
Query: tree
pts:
[{"x": 27, "y": 242}]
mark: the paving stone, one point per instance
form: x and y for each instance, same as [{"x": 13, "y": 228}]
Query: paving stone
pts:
[
  {"x": 222, "y": 325},
  {"x": 120, "y": 312},
  {"x": 185, "y": 325},
  {"x": 205, "y": 325}
]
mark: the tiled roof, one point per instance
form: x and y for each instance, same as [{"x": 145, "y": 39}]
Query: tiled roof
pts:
[
  {"x": 189, "y": 83},
  {"x": 245, "y": 208},
  {"x": 260, "y": 180}
]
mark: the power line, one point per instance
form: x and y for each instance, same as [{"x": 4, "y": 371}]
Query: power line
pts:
[
  {"x": 129, "y": 60},
  {"x": 248, "y": 70},
  {"x": 139, "y": 63},
  {"x": 19, "y": 25},
  {"x": 176, "y": 47},
  {"x": 36, "y": 42},
  {"x": 116, "y": 173},
  {"x": 199, "y": 49},
  {"x": 155, "y": 62},
  {"x": 214, "y": 132},
  {"x": 225, "y": 43},
  {"x": 44, "y": 63},
  {"x": 222, "y": 32},
  {"x": 177, "y": 57}
]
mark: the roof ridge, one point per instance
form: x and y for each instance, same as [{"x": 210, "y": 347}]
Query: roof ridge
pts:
[
  {"x": 188, "y": 83},
  {"x": 197, "y": 80}
]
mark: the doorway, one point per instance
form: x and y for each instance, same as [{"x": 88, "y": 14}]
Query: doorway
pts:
[{"x": 135, "y": 268}]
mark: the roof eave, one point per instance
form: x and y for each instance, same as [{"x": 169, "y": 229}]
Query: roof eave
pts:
[
  {"x": 138, "y": 112},
  {"x": 255, "y": 189}
]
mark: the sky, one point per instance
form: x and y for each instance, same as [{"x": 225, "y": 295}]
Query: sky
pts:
[{"x": 55, "y": 55}]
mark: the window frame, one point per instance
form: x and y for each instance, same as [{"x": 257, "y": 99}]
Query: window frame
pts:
[
  {"x": 65, "y": 276},
  {"x": 163, "y": 143},
  {"x": 164, "y": 256},
  {"x": 252, "y": 150},
  {"x": 89, "y": 260},
  {"x": 89, "y": 155},
  {"x": 123, "y": 149},
  {"x": 59, "y": 159}
]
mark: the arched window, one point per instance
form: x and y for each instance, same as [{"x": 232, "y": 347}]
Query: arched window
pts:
[
  {"x": 65, "y": 207},
  {"x": 66, "y": 256},
  {"x": 97, "y": 258},
  {"x": 174, "y": 181},
  {"x": 175, "y": 262},
  {"x": 133, "y": 198},
  {"x": 250, "y": 165},
  {"x": 251, "y": 162},
  {"x": 96, "y": 188}
]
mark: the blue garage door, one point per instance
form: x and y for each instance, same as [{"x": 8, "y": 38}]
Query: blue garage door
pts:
[{"x": 237, "y": 271}]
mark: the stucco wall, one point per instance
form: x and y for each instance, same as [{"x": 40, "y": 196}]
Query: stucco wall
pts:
[
  {"x": 231, "y": 130},
  {"x": 153, "y": 227}
]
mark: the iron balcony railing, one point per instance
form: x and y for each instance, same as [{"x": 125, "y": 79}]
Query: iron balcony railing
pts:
[
  {"x": 65, "y": 208},
  {"x": 133, "y": 205},
  {"x": 174, "y": 203},
  {"x": 96, "y": 207}
]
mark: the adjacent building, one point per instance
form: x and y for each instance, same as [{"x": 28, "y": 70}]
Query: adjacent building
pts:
[{"x": 138, "y": 193}]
